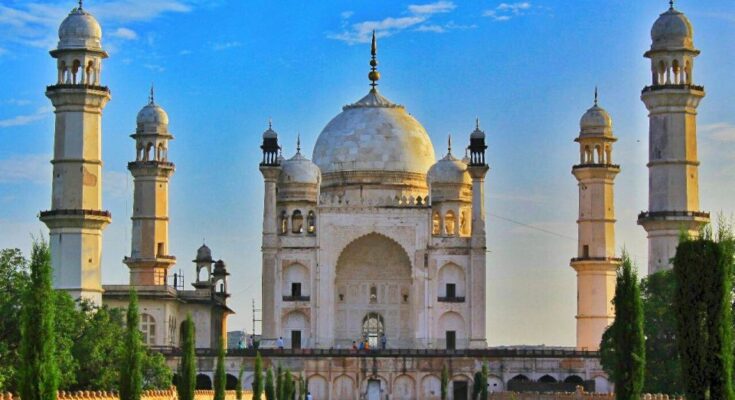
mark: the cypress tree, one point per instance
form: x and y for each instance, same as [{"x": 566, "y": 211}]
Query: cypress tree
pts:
[
  {"x": 38, "y": 372},
  {"x": 279, "y": 383},
  {"x": 485, "y": 374},
  {"x": 627, "y": 334},
  {"x": 131, "y": 367},
  {"x": 302, "y": 387},
  {"x": 187, "y": 368},
  {"x": 445, "y": 383},
  {"x": 238, "y": 389},
  {"x": 270, "y": 391},
  {"x": 220, "y": 380},
  {"x": 258, "y": 377},
  {"x": 477, "y": 385},
  {"x": 288, "y": 386},
  {"x": 702, "y": 303}
]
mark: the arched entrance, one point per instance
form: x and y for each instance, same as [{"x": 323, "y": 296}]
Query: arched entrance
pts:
[
  {"x": 373, "y": 293},
  {"x": 372, "y": 328}
]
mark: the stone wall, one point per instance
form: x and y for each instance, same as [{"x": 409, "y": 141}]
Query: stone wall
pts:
[
  {"x": 169, "y": 394},
  {"x": 578, "y": 395}
]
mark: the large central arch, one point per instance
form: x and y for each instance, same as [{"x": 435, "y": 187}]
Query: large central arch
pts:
[{"x": 373, "y": 277}]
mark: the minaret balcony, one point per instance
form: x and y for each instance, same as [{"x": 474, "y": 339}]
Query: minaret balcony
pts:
[
  {"x": 682, "y": 86},
  {"x": 78, "y": 86},
  {"x": 75, "y": 218},
  {"x": 611, "y": 166},
  {"x": 599, "y": 259},
  {"x": 665, "y": 215}
]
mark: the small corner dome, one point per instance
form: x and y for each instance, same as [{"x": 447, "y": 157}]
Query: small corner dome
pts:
[
  {"x": 204, "y": 254},
  {"x": 672, "y": 31},
  {"x": 220, "y": 268},
  {"x": 270, "y": 134},
  {"x": 299, "y": 169},
  {"x": 449, "y": 170},
  {"x": 152, "y": 114},
  {"x": 595, "y": 118},
  {"x": 80, "y": 30}
]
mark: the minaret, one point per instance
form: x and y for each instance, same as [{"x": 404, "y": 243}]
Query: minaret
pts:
[
  {"x": 270, "y": 167},
  {"x": 76, "y": 218},
  {"x": 673, "y": 177},
  {"x": 478, "y": 168},
  {"x": 595, "y": 263},
  {"x": 149, "y": 259}
]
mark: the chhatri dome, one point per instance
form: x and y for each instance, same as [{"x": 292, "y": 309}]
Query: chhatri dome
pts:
[
  {"x": 299, "y": 169},
  {"x": 672, "y": 30},
  {"x": 80, "y": 30},
  {"x": 373, "y": 137},
  {"x": 449, "y": 170},
  {"x": 596, "y": 120},
  {"x": 152, "y": 113}
]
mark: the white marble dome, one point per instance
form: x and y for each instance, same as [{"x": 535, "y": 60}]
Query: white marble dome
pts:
[
  {"x": 80, "y": 30},
  {"x": 152, "y": 114},
  {"x": 299, "y": 169},
  {"x": 596, "y": 120},
  {"x": 374, "y": 135},
  {"x": 672, "y": 31},
  {"x": 449, "y": 170}
]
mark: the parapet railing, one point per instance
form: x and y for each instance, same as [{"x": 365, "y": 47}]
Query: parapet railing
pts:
[
  {"x": 168, "y": 394},
  {"x": 80, "y": 212},
  {"x": 663, "y": 214},
  {"x": 654, "y": 88}
]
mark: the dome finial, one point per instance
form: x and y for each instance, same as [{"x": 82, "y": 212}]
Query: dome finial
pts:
[
  {"x": 671, "y": 4},
  {"x": 449, "y": 144},
  {"x": 374, "y": 75},
  {"x": 477, "y": 123},
  {"x": 298, "y": 143},
  {"x": 151, "y": 97},
  {"x": 595, "y": 96},
  {"x": 80, "y": 4},
  {"x": 270, "y": 123}
]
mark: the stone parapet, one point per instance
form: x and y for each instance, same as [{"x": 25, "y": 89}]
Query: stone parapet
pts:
[{"x": 169, "y": 394}]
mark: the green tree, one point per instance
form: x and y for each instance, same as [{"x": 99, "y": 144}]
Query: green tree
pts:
[
  {"x": 662, "y": 357},
  {"x": 302, "y": 387},
  {"x": 131, "y": 366},
  {"x": 238, "y": 389},
  {"x": 477, "y": 385},
  {"x": 39, "y": 373},
  {"x": 444, "y": 383},
  {"x": 156, "y": 373},
  {"x": 627, "y": 334},
  {"x": 289, "y": 389},
  {"x": 14, "y": 279},
  {"x": 279, "y": 383},
  {"x": 187, "y": 368},
  {"x": 485, "y": 374},
  {"x": 258, "y": 377},
  {"x": 703, "y": 307},
  {"x": 220, "y": 381},
  {"x": 270, "y": 390}
]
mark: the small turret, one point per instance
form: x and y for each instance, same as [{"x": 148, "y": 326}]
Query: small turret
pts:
[
  {"x": 271, "y": 149},
  {"x": 477, "y": 146}
]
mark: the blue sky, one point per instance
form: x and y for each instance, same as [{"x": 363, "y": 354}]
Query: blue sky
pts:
[{"x": 221, "y": 68}]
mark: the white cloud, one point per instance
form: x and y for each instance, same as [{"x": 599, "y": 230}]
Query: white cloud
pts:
[
  {"x": 431, "y": 28},
  {"x": 721, "y": 132},
  {"x": 25, "y": 119},
  {"x": 226, "y": 45},
  {"x": 124, "y": 33},
  {"x": 17, "y": 102},
  {"x": 35, "y": 23},
  {"x": 185, "y": 52},
  {"x": 432, "y": 8},
  {"x": 154, "y": 67},
  {"x": 346, "y": 14},
  {"x": 506, "y": 11},
  {"x": 33, "y": 168},
  {"x": 420, "y": 15}
]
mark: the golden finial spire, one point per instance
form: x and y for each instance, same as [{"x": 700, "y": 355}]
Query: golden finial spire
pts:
[
  {"x": 151, "y": 97},
  {"x": 374, "y": 75},
  {"x": 595, "y": 96}
]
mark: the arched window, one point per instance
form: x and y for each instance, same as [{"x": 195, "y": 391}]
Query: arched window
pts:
[
  {"x": 74, "y": 71},
  {"x": 284, "y": 222},
  {"x": 62, "y": 72},
  {"x": 464, "y": 225},
  {"x": 547, "y": 379},
  {"x": 148, "y": 329},
  {"x": 148, "y": 152},
  {"x": 677, "y": 71},
  {"x": 435, "y": 224},
  {"x": 139, "y": 152},
  {"x": 89, "y": 79},
  {"x": 159, "y": 152},
  {"x": 588, "y": 155},
  {"x": 373, "y": 294},
  {"x": 297, "y": 222},
  {"x": 372, "y": 328},
  {"x": 311, "y": 223},
  {"x": 598, "y": 154},
  {"x": 449, "y": 223}
]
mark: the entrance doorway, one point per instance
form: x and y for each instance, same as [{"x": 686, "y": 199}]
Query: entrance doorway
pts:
[
  {"x": 373, "y": 389},
  {"x": 460, "y": 390},
  {"x": 451, "y": 340},
  {"x": 372, "y": 328},
  {"x": 295, "y": 339}
]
